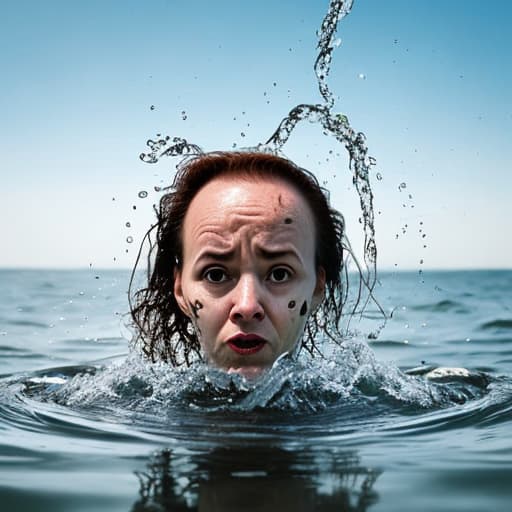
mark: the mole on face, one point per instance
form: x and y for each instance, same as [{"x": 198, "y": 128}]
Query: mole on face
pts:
[
  {"x": 291, "y": 304},
  {"x": 288, "y": 220},
  {"x": 304, "y": 309},
  {"x": 195, "y": 308}
]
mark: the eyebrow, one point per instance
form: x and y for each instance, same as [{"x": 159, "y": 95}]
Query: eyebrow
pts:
[
  {"x": 267, "y": 254},
  {"x": 214, "y": 255},
  {"x": 276, "y": 254}
]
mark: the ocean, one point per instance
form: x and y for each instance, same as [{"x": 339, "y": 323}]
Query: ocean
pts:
[{"x": 419, "y": 419}]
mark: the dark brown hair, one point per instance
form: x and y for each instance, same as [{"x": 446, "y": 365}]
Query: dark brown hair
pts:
[{"x": 163, "y": 330}]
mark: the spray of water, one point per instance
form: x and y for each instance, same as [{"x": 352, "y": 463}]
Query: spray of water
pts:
[{"x": 334, "y": 124}]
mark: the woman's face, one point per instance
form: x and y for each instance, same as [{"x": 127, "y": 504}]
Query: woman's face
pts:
[{"x": 248, "y": 281}]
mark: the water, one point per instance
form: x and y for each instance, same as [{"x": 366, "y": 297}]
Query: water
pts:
[
  {"x": 332, "y": 123},
  {"x": 87, "y": 426}
]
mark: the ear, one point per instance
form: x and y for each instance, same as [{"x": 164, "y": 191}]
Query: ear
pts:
[
  {"x": 178, "y": 293},
  {"x": 318, "y": 293}
]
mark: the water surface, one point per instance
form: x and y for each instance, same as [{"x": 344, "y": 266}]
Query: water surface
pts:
[{"x": 86, "y": 425}]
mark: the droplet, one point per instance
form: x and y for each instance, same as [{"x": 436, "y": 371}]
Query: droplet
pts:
[
  {"x": 128, "y": 225},
  {"x": 152, "y": 107},
  {"x": 143, "y": 194},
  {"x": 402, "y": 186},
  {"x": 242, "y": 134},
  {"x": 379, "y": 176},
  {"x": 183, "y": 115},
  {"x": 362, "y": 76},
  {"x": 129, "y": 239},
  {"x": 157, "y": 188}
]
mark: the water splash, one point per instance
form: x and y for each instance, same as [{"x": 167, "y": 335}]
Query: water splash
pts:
[
  {"x": 352, "y": 377},
  {"x": 333, "y": 123}
]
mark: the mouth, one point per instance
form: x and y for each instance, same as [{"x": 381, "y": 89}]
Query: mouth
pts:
[{"x": 246, "y": 344}]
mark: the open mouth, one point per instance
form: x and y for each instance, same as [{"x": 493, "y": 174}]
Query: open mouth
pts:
[{"x": 246, "y": 344}]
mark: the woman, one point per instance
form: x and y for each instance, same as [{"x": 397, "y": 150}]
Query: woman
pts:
[{"x": 248, "y": 265}]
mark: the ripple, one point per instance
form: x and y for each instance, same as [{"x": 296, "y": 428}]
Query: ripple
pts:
[
  {"x": 442, "y": 306},
  {"x": 499, "y": 324}
]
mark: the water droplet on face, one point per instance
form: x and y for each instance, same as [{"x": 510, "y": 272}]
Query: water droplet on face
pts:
[
  {"x": 129, "y": 239},
  {"x": 143, "y": 194}
]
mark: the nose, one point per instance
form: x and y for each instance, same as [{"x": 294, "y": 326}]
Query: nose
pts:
[{"x": 247, "y": 303}]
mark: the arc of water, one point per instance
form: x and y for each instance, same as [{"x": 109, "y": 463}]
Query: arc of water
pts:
[{"x": 336, "y": 124}]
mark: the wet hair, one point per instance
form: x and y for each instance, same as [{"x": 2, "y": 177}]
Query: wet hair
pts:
[{"x": 163, "y": 331}]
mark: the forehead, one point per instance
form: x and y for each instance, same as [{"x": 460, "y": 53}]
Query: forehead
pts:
[{"x": 271, "y": 208}]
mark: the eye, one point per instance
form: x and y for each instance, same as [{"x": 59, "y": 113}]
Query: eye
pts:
[
  {"x": 215, "y": 275},
  {"x": 279, "y": 275}
]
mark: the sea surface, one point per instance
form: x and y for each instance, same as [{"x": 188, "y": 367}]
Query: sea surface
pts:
[{"x": 418, "y": 419}]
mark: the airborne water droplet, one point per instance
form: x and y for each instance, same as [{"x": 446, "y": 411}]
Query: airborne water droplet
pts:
[
  {"x": 183, "y": 115},
  {"x": 129, "y": 239},
  {"x": 362, "y": 76},
  {"x": 128, "y": 225},
  {"x": 143, "y": 194},
  {"x": 379, "y": 176}
]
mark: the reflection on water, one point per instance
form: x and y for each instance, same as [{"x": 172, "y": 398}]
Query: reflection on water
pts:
[{"x": 256, "y": 478}]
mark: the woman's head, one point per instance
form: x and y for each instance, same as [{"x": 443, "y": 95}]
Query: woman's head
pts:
[{"x": 248, "y": 257}]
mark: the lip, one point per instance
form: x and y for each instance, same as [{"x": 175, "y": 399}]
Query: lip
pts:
[{"x": 255, "y": 343}]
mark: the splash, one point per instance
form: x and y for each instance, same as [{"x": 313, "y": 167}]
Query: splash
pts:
[
  {"x": 334, "y": 124},
  {"x": 352, "y": 378}
]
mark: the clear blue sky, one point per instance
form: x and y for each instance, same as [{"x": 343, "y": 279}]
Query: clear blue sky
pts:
[{"x": 428, "y": 82}]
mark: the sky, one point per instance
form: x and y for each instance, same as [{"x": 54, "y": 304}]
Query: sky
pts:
[{"x": 86, "y": 83}]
